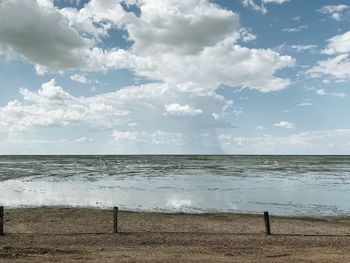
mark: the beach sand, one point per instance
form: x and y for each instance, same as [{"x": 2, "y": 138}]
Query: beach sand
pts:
[{"x": 55, "y": 234}]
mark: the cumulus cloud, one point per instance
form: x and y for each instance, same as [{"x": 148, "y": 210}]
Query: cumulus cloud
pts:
[
  {"x": 224, "y": 63},
  {"x": 38, "y": 33},
  {"x": 53, "y": 106},
  {"x": 198, "y": 59},
  {"x": 335, "y": 11},
  {"x": 202, "y": 57},
  {"x": 182, "y": 110},
  {"x": 151, "y": 112},
  {"x": 189, "y": 66},
  {"x": 160, "y": 27},
  {"x": 262, "y": 7},
  {"x": 80, "y": 78},
  {"x": 284, "y": 124},
  {"x": 247, "y": 35},
  {"x": 96, "y": 17},
  {"x": 259, "y": 8},
  {"x": 337, "y": 66},
  {"x": 164, "y": 51},
  {"x": 338, "y": 44},
  {"x": 54, "y": 39}
]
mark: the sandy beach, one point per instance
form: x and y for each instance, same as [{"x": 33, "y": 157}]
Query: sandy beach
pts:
[{"x": 59, "y": 234}]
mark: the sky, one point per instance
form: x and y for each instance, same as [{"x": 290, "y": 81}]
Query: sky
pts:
[{"x": 174, "y": 77}]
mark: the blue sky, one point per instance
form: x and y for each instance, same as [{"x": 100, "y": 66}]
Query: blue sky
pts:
[{"x": 186, "y": 76}]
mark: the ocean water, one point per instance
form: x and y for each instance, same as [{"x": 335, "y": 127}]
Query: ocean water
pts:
[{"x": 283, "y": 185}]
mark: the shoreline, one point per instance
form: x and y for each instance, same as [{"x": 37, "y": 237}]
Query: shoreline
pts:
[
  {"x": 198, "y": 211},
  {"x": 86, "y": 234}
]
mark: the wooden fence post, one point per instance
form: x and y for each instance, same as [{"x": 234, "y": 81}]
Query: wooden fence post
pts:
[
  {"x": 267, "y": 223},
  {"x": 115, "y": 219},
  {"x": 1, "y": 220}
]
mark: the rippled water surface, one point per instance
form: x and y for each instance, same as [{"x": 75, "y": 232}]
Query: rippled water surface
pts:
[{"x": 285, "y": 185}]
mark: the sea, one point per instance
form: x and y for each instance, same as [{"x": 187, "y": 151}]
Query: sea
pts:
[{"x": 282, "y": 185}]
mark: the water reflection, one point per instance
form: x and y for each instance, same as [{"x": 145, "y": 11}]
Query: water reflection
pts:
[{"x": 281, "y": 184}]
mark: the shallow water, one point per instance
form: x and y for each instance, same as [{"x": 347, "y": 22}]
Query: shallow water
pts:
[{"x": 284, "y": 185}]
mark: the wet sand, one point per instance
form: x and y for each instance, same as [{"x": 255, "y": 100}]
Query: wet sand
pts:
[{"x": 55, "y": 234}]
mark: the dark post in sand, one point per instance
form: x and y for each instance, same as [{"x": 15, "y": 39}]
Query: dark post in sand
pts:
[
  {"x": 267, "y": 223},
  {"x": 115, "y": 219},
  {"x": 1, "y": 220}
]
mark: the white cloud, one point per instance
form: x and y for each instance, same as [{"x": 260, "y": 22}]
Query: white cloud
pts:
[
  {"x": 164, "y": 51},
  {"x": 132, "y": 111},
  {"x": 96, "y": 17},
  {"x": 83, "y": 140},
  {"x": 296, "y": 18},
  {"x": 305, "y": 104},
  {"x": 262, "y": 7},
  {"x": 46, "y": 3},
  {"x": 234, "y": 66},
  {"x": 301, "y": 48},
  {"x": 157, "y": 137},
  {"x": 247, "y": 35},
  {"x": 40, "y": 70},
  {"x": 322, "y": 92},
  {"x": 338, "y": 44},
  {"x": 160, "y": 27},
  {"x": 80, "y": 78},
  {"x": 329, "y": 9},
  {"x": 186, "y": 57},
  {"x": 339, "y": 65},
  {"x": 201, "y": 57},
  {"x": 259, "y": 8},
  {"x": 17, "y": 143},
  {"x": 284, "y": 124},
  {"x": 174, "y": 50},
  {"x": 160, "y": 141},
  {"x": 310, "y": 142},
  {"x": 275, "y": 1},
  {"x": 53, "y": 106},
  {"x": 40, "y": 34},
  {"x": 182, "y": 110},
  {"x": 295, "y": 29},
  {"x": 54, "y": 39},
  {"x": 335, "y": 11}
]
